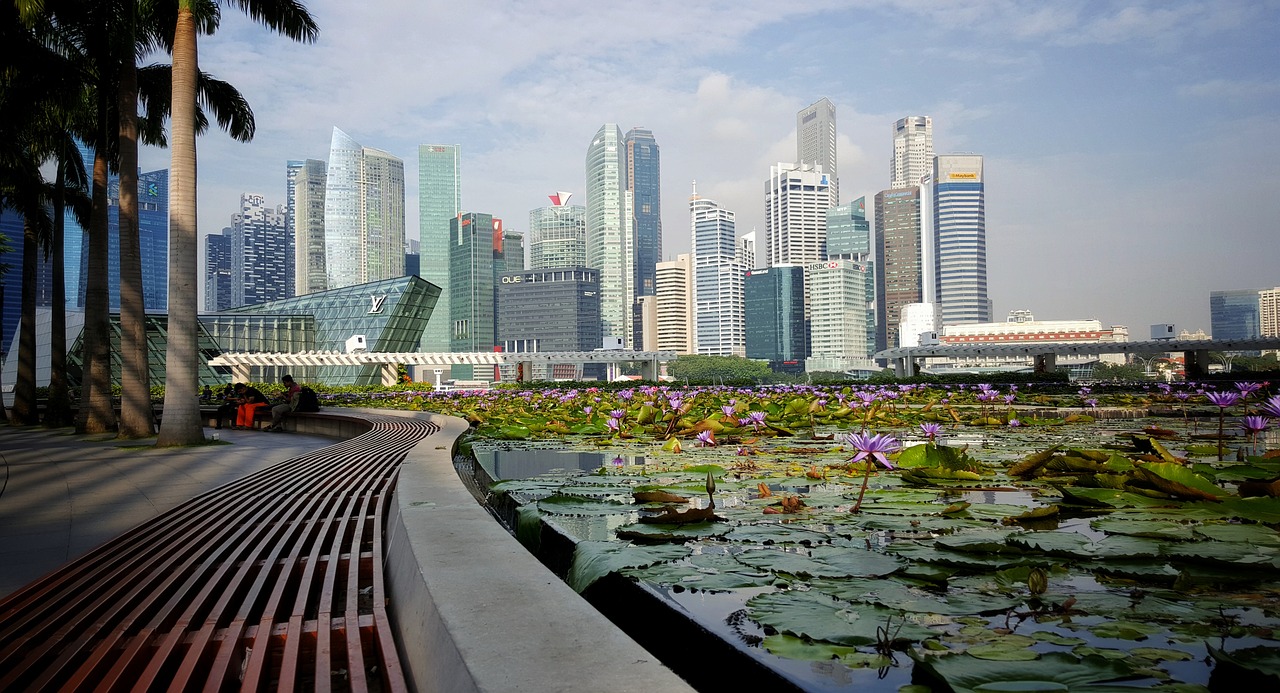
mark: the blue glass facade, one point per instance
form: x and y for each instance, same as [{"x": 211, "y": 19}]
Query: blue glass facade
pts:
[
  {"x": 774, "y": 308},
  {"x": 1235, "y": 314},
  {"x": 644, "y": 180}
]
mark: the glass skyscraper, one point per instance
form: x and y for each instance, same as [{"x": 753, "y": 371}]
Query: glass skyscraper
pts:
[
  {"x": 476, "y": 258},
  {"x": 718, "y": 274},
  {"x": 558, "y": 234},
  {"x": 644, "y": 180},
  {"x": 898, "y": 268},
  {"x": 960, "y": 240},
  {"x": 304, "y": 223},
  {"x": 260, "y": 253},
  {"x": 363, "y": 214},
  {"x": 439, "y": 201},
  {"x": 773, "y": 300},
  {"x": 153, "y": 238},
  {"x": 1234, "y": 314},
  {"x": 611, "y": 231},
  {"x": 816, "y": 142}
]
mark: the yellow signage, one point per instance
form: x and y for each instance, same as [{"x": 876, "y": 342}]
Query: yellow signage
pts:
[{"x": 962, "y": 176}]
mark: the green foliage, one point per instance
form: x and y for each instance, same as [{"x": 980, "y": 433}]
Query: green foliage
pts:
[
  {"x": 1122, "y": 372},
  {"x": 715, "y": 369}
]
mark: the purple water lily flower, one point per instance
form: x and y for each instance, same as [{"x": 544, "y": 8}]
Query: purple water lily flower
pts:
[
  {"x": 618, "y": 414},
  {"x": 728, "y": 410},
  {"x": 1014, "y": 423},
  {"x": 1224, "y": 399},
  {"x": 1253, "y": 425},
  {"x": 931, "y": 430},
  {"x": 707, "y": 439},
  {"x": 612, "y": 424},
  {"x": 1272, "y": 407},
  {"x": 877, "y": 447},
  {"x": 586, "y": 410},
  {"x": 756, "y": 419}
]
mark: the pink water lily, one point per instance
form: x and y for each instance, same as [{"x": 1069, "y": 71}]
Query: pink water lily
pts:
[{"x": 877, "y": 447}]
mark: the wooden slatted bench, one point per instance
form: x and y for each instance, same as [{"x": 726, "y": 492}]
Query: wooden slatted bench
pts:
[{"x": 271, "y": 582}]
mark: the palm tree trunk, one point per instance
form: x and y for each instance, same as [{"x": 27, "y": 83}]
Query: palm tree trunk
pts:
[
  {"x": 96, "y": 413},
  {"x": 136, "y": 419},
  {"x": 57, "y": 410},
  {"x": 180, "y": 424},
  {"x": 25, "y": 412}
]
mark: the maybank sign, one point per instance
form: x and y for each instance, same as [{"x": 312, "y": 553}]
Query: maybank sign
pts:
[{"x": 962, "y": 175}]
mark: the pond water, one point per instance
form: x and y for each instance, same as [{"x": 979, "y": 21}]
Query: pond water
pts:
[{"x": 1144, "y": 586}]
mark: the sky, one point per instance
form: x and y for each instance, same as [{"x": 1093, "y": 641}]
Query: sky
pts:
[{"x": 1132, "y": 150}]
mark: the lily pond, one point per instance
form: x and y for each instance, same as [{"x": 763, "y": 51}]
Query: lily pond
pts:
[{"x": 914, "y": 539}]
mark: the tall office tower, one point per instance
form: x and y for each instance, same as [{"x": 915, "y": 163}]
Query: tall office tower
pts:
[
  {"x": 647, "y": 332},
  {"x": 1235, "y": 314},
  {"x": 549, "y": 310},
  {"x": 912, "y": 151},
  {"x": 960, "y": 240},
  {"x": 305, "y": 223},
  {"x": 747, "y": 250},
  {"x": 476, "y": 258},
  {"x": 816, "y": 142},
  {"x": 644, "y": 181},
  {"x": 718, "y": 274},
  {"x": 838, "y": 331},
  {"x": 773, "y": 300},
  {"x": 1269, "y": 312},
  {"x": 512, "y": 259},
  {"x": 218, "y": 277},
  {"x": 363, "y": 214},
  {"x": 259, "y": 251},
  {"x": 558, "y": 234},
  {"x": 797, "y": 197},
  {"x": 675, "y": 302},
  {"x": 439, "y": 201},
  {"x": 611, "y": 231},
  {"x": 849, "y": 238},
  {"x": 153, "y": 239},
  {"x": 898, "y": 267}
]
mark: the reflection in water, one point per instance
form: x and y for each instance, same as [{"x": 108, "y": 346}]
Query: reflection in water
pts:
[{"x": 523, "y": 464}]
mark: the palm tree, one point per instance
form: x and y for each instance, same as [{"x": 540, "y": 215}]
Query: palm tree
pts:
[{"x": 181, "y": 423}]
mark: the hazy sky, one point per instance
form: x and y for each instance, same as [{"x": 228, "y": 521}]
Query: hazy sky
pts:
[{"x": 1132, "y": 148}]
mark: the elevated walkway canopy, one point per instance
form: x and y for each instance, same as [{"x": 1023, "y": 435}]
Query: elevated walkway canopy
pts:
[
  {"x": 240, "y": 363},
  {"x": 1195, "y": 352}
]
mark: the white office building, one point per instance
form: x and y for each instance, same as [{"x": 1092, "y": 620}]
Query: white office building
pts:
[
  {"x": 960, "y": 240},
  {"x": 718, "y": 275},
  {"x": 674, "y": 302},
  {"x": 610, "y": 229},
  {"x": 912, "y": 151},
  {"x": 841, "y": 295},
  {"x": 816, "y": 142}
]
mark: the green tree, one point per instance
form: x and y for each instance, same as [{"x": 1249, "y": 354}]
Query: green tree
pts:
[
  {"x": 181, "y": 423},
  {"x": 1115, "y": 371},
  {"x": 712, "y": 369}
]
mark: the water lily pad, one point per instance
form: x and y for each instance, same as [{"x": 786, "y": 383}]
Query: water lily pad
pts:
[
  {"x": 1053, "y": 671},
  {"x": 819, "y": 617},
  {"x": 1249, "y": 534},
  {"x": 1153, "y": 529},
  {"x": 1003, "y": 652},
  {"x": 990, "y": 541},
  {"x": 583, "y": 507},
  {"x": 1054, "y": 543},
  {"x": 777, "y": 533},
  {"x": 895, "y": 595},
  {"x": 705, "y": 572},
  {"x": 791, "y": 647},
  {"x": 1125, "y": 630},
  {"x": 593, "y": 560},
  {"x": 1259, "y": 660},
  {"x": 1177, "y": 480},
  {"x": 1108, "y": 498},
  {"x": 824, "y": 561}
]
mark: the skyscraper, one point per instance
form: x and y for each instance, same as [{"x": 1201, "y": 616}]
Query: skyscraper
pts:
[
  {"x": 816, "y": 142},
  {"x": 718, "y": 273},
  {"x": 363, "y": 214},
  {"x": 773, "y": 310},
  {"x": 838, "y": 291},
  {"x": 439, "y": 201},
  {"x": 898, "y": 268},
  {"x": 153, "y": 238},
  {"x": 611, "y": 231},
  {"x": 797, "y": 197},
  {"x": 476, "y": 258},
  {"x": 1269, "y": 312},
  {"x": 259, "y": 252},
  {"x": 304, "y": 220},
  {"x": 558, "y": 234},
  {"x": 217, "y": 272},
  {"x": 849, "y": 238},
  {"x": 960, "y": 240},
  {"x": 912, "y": 151},
  {"x": 644, "y": 181},
  {"x": 675, "y": 303},
  {"x": 1235, "y": 314}
]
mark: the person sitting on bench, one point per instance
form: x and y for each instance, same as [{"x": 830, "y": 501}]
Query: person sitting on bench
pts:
[
  {"x": 251, "y": 400},
  {"x": 288, "y": 402}
]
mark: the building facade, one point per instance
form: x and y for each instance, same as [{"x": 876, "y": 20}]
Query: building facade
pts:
[
  {"x": 549, "y": 310},
  {"x": 718, "y": 273},
  {"x": 816, "y": 141},
  {"x": 773, "y": 309},
  {"x": 960, "y": 240},
  {"x": 675, "y": 304},
  {"x": 1235, "y": 314},
  {"x": 477, "y": 257},
  {"x": 797, "y": 197},
  {"x": 839, "y": 292},
  {"x": 439, "y": 200},
  {"x": 644, "y": 181},
  {"x": 153, "y": 240},
  {"x": 917, "y": 319},
  {"x": 304, "y": 219},
  {"x": 611, "y": 231},
  {"x": 898, "y": 268},
  {"x": 558, "y": 234},
  {"x": 1021, "y": 327},
  {"x": 364, "y": 214},
  {"x": 1269, "y": 312},
  {"x": 259, "y": 253},
  {"x": 912, "y": 158}
]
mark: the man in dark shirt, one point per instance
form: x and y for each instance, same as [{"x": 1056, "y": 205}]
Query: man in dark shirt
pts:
[{"x": 251, "y": 400}]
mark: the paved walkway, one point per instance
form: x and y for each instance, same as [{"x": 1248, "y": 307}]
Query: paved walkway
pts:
[{"x": 62, "y": 494}]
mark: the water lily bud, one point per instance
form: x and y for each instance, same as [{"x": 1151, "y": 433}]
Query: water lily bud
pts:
[
  {"x": 1037, "y": 581},
  {"x": 711, "y": 483}
]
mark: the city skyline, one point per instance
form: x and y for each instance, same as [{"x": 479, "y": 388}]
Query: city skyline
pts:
[{"x": 1131, "y": 138}]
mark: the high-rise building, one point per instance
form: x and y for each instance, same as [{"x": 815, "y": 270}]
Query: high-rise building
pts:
[
  {"x": 797, "y": 197},
  {"x": 960, "y": 240},
  {"x": 153, "y": 239},
  {"x": 718, "y": 273},
  {"x": 675, "y": 303},
  {"x": 816, "y": 142},
  {"x": 912, "y": 151},
  {"x": 848, "y": 231},
  {"x": 839, "y": 291},
  {"x": 1235, "y": 314},
  {"x": 259, "y": 251},
  {"x": 304, "y": 220},
  {"x": 1269, "y": 312},
  {"x": 363, "y": 214},
  {"x": 611, "y": 231},
  {"x": 773, "y": 300},
  {"x": 12, "y": 283},
  {"x": 549, "y": 310},
  {"x": 917, "y": 319},
  {"x": 558, "y": 234},
  {"x": 439, "y": 201},
  {"x": 476, "y": 259},
  {"x": 644, "y": 181},
  {"x": 647, "y": 318},
  {"x": 218, "y": 274},
  {"x": 898, "y": 267}
]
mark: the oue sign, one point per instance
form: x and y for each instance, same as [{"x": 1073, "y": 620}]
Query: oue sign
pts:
[{"x": 512, "y": 280}]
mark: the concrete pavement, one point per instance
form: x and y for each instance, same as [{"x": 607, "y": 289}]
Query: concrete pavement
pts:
[{"x": 63, "y": 494}]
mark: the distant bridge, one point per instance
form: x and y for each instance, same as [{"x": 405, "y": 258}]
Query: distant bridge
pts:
[
  {"x": 241, "y": 362},
  {"x": 1045, "y": 354}
]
